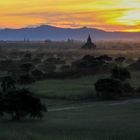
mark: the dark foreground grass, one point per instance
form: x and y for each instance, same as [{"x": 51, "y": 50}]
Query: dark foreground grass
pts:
[{"x": 98, "y": 121}]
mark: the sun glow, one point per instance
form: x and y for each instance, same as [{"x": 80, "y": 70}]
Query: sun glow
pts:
[
  {"x": 130, "y": 18},
  {"x": 115, "y": 15}
]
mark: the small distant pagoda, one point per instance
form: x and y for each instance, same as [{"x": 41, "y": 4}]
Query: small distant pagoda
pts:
[{"x": 89, "y": 44}]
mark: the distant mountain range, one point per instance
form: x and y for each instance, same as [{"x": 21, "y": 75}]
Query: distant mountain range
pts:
[{"x": 46, "y": 32}]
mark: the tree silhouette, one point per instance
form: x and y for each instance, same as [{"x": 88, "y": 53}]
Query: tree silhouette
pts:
[
  {"x": 108, "y": 88},
  {"x": 120, "y": 59},
  {"x": 19, "y": 103},
  {"x": 26, "y": 67},
  {"x": 26, "y": 79},
  {"x": 120, "y": 73},
  {"x": 8, "y": 83},
  {"x": 37, "y": 74}
]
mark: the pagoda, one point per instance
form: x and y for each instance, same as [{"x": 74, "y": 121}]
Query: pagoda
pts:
[{"x": 89, "y": 44}]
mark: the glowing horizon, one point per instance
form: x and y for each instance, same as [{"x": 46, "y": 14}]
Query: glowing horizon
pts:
[{"x": 115, "y": 15}]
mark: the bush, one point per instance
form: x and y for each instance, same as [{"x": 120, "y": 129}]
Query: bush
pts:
[{"x": 109, "y": 88}]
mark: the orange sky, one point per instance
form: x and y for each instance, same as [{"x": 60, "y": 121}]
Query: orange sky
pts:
[{"x": 114, "y": 15}]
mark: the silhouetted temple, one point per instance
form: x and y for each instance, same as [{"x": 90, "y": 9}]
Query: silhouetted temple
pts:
[{"x": 89, "y": 44}]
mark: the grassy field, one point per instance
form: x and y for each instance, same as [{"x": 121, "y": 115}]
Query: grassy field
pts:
[
  {"x": 92, "y": 121},
  {"x": 74, "y": 88},
  {"x": 67, "y": 89}
]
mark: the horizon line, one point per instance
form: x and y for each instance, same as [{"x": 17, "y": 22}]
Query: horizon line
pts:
[{"x": 55, "y": 26}]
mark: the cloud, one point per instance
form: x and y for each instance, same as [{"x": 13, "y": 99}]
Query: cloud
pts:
[{"x": 104, "y": 14}]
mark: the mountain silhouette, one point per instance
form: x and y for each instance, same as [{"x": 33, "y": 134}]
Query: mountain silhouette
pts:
[{"x": 46, "y": 32}]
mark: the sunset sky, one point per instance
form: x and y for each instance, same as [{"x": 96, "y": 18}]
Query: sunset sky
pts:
[{"x": 109, "y": 15}]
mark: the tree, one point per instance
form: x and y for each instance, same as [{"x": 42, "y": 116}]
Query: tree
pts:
[
  {"x": 65, "y": 68},
  {"x": 104, "y": 58},
  {"x": 36, "y": 60},
  {"x": 7, "y": 65},
  {"x": 21, "y": 103},
  {"x": 1, "y": 104},
  {"x": 90, "y": 65},
  {"x": 26, "y": 79},
  {"x": 120, "y": 73},
  {"x": 135, "y": 65},
  {"x": 128, "y": 89},
  {"x": 27, "y": 56},
  {"x": 8, "y": 83},
  {"x": 37, "y": 74},
  {"x": 108, "y": 88},
  {"x": 47, "y": 67},
  {"x": 120, "y": 59},
  {"x": 89, "y": 58},
  {"x": 27, "y": 67}
]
